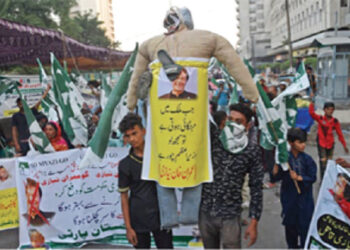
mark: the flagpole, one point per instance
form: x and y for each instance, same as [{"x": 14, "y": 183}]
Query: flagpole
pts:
[{"x": 289, "y": 168}]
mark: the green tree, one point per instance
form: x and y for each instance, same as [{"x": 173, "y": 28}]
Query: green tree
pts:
[
  {"x": 85, "y": 27},
  {"x": 33, "y": 12},
  {"x": 91, "y": 33}
]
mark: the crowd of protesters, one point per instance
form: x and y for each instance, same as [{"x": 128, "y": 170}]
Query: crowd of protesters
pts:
[{"x": 237, "y": 176}]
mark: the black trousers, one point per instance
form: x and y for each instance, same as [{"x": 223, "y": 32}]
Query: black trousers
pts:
[
  {"x": 163, "y": 239},
  {"x": 295, "y": 236}
]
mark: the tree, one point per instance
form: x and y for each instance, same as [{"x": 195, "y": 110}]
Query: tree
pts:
[
  {"x": 91, "y": 33},
  {"x": 82, "y": 27},
  {"x": 33, "y": 12}
]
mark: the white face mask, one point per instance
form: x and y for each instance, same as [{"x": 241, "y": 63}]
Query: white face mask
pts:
[{"x": 234, "y": 137}]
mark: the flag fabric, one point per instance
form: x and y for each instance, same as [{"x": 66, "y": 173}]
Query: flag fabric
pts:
[
  {"x": 285, "y": 103},
  {"x": 106, "y": 89},
  {"x": 37, "y": 136},
  {"x": 99, "y": 142},
  {"x": 70, "y": 101},
  {"x": 234, "y": 96},
  {"x": 49, "y": 105},
  {"x": 7, "y": 88},
  {"x": 301, "y": 82},
  {"x": 273, "y": 131}
]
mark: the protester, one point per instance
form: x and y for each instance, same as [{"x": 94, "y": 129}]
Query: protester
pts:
[
  {"x": 220, "y": 209},
  {"x": 343, "y": 163},
  {"x": 282, "y": 86},
  {"x": 297, "y": 208},
  {"x": 325, "y": 138},
  {"x": 312, "y": 79},
  {"x": 272, "y": 92},
  {"x": 53, "y": 132},
  {"x": 263, "y": 84},
  {"x": 222, "y": 95},
  {"x": 20, "y": 130},
  {"x": 140, "y": 209},
  {"x": 8, "y": 149}
]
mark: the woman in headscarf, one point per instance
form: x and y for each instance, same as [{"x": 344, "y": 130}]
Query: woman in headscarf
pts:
[{"x": 54, "y": 134}]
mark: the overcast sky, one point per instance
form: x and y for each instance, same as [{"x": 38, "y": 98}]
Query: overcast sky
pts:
[{"x": 138, "y": 20}]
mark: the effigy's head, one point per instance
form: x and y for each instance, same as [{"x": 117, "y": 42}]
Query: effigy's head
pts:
[{"x": 175, "y": 17}]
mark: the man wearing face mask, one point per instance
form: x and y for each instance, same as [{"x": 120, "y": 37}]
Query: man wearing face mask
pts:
[{"x": 220, "y": 209}]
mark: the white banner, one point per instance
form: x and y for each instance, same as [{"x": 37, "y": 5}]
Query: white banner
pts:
[
  {"x": 31, "y": 89},
  {"x": 60, "y": 204},
  {"x": 330, "y": 224}
]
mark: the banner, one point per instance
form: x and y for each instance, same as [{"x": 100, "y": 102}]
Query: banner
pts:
[
  {"x": 31, "y": 89},
  {"x": 8, "y": 195},
  {"x": 177, "y": 150},
  {"x": 330, "y": 224},
  {"x": 63, "y": 206}
]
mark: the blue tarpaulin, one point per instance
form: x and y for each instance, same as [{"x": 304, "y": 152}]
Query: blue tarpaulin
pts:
[{"x": 304, "y": 120}]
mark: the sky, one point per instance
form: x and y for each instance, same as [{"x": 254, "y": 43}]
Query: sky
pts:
[{"x": 139, "y": 20}]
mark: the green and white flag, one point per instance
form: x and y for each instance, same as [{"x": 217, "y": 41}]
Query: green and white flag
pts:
[
  {"x": 49, "y": 103},
  {"x": 106, "y": 89},
  {"x": 99, "y": 142},
  {"x": 70, "y": 101},
  {"x": 37, "y": 136},
  {"x": 273, "y": 131},
  {"x": 7, "y": 88},
  {"x": 234, "y": 97},
  {"x": 285, "y": 103}
]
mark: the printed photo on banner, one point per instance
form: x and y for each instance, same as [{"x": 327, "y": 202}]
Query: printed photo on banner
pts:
[
  {"x": 341, "y": 193},
  {"x": 4, "y": 174},
  {"x": 183, "y": 87},
  {"x": 330, "y": 224},
  {"x": 8, "y": 195},
  {"x": 34, "y": 215}
]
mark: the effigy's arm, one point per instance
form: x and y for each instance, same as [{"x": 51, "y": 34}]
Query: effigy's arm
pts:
[
  {"x": 140, "y": 66},
  {"x": 227, "y": 55}
]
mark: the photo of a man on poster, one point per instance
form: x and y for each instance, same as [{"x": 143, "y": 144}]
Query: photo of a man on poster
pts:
[
  {"x": 341, "y": 193},
  {"x": 34, "y": 215},
  {"x": 4, "y": 174},
  {"x": 178, "y": 88}
]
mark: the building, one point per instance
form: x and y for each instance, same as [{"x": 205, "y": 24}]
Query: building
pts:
[
  {"x": 254, "y": 33},
  {"x": 309, "y": 20},
  {"x": 100, "y": 8}
]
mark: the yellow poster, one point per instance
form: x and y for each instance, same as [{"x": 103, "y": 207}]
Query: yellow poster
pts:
[
  {"x": 177, "y": 137},
  {"x": 8, "y": 208}
]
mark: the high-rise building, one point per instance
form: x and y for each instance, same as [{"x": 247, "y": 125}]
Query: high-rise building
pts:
[
  {"x": 309, "y": 20},
  {"x": 100, "y": 8},
  {"x": 254, "y": 35}
]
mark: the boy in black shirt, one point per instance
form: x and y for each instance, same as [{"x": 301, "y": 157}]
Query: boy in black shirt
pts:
[{"x": 140, "y": 208}]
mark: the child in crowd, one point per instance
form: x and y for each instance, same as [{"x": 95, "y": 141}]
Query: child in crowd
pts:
[
  {"x": 325, "y": 138},
  {"x": 140, "y": 208},
  {"x": 297, "y": 208}
]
